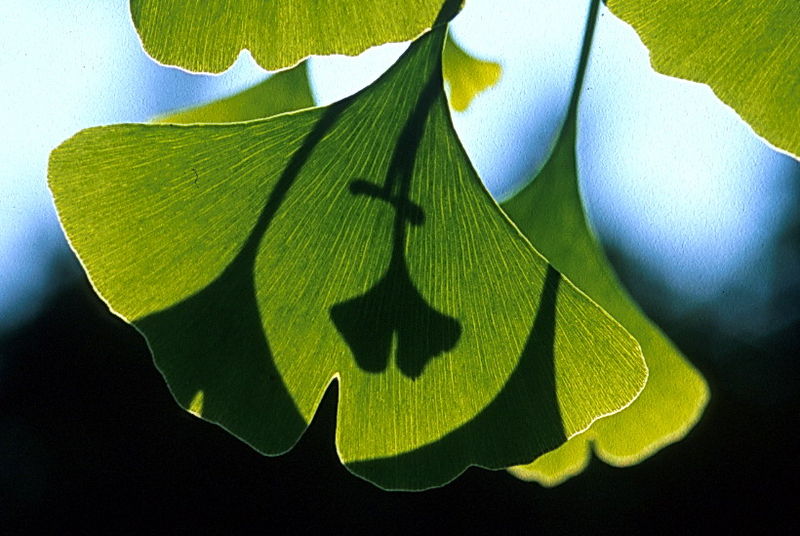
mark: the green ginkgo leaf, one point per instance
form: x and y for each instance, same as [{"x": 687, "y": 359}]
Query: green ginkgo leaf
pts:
[
  {"x": 466, "y": 75},
  {"x": 263, "y": 260},
  {"x": 550, "y": 212},
  {"x": 290, "y": 90},
  {"x": 285, "y": 91},
  {"x": 207, "y": 35},
  {"x": 748, "y": 51}
]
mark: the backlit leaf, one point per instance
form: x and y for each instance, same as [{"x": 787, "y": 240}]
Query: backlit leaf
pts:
[
  {"x": 285, "y": 91},
  {"x": 748, "y": 51},
  {"x": 550, "y": 212},
  {"x": 264, "y": 260},
  {"x": 207, "y": 35},
  {"x": 289, "y": 90},
  {"x": 466, "y": 75}
]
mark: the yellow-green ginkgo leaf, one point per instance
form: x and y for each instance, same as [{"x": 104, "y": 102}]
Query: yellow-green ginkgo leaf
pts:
[
  {"x": 290, "y": 90},
  {"x": 466, "y": 75},
  {"x": 550, "y": 212},
  {"x": 207, "y": 35},
  {"x": 285, "y": 91},
  {"x": 748, "y": 51},
  {"x": 263, "y": 260}
]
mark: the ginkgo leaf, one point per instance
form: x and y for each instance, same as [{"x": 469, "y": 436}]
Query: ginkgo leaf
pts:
[
  {"x": 262, "y": 260},
  {"x": 285, "y": 91},
  {"x": 207, "y": 35},
  {"x": 466, "y": 75},
  {"x": 748, "y": 51},
  {"x": 550, "y": 212},
  {"x": 290, "y": 90}
]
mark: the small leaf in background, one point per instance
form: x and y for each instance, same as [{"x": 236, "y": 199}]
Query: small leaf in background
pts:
[
  {"x": 284, "y": 91},
  {"x": 466, "y": 75},
  {"x": 290, "y": 90},
  {"x": 748, "y": 51},
  {"x": 263, "y": 260},
  {"x": 550, "y": 212},
  {"x": 207, "y": 35}
]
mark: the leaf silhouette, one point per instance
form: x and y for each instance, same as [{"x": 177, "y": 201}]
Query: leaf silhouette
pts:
[
  {"x": 549, "y": 209},
  {"x": 239, "y": 249},
  {"x": 207, "y": 35},
  {"x": 748, "y": 51}
]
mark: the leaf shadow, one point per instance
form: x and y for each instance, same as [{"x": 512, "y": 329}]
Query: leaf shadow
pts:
[
  {"x": 394, "y": 307},
  {"x": 522, "y": 422},
  {"x": 368, "y": 323},
  {"x": 212, "y": 346}
]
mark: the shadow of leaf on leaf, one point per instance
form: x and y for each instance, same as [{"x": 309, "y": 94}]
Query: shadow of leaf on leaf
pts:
[
  {"x": 214, "y": 342},
  {"x": 394, "y": 305},
  {"x": 524, "y": 413}
]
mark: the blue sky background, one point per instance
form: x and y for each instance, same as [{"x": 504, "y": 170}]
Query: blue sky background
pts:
[{"x": 671, "y": 177}]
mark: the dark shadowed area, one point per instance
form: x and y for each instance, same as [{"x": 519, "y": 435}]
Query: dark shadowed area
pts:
[
  {"x": 91, "y": 440},
  {"x": 368, "y": 323}
]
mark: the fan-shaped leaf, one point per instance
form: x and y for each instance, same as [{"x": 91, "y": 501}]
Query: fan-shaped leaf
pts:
[
  {"x": 748, "y": 51},
  {"x": 262, "y": 260},
  {"x": 550, "y": 212},
  {"x": 207, "y": 35}
]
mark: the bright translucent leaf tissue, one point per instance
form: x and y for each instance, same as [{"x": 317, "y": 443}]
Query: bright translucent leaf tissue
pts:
[
  {"x": 285, "y": 91},
  {"x": 550, "y": 212},
  {"x": 207, "y": 35},
  {"x": 748, "y": 51},
  {"x": 289, "y": 90},
  {"x": 466, "y": 75},
  {"x": 354, "y": 243}
]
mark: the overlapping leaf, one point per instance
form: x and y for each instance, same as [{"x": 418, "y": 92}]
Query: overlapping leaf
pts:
[
  {"x": 207, "y": 35},
  {"x": 264, "y": 259},
  {"x": 550, "y": 212},
  {"x": 289, "y": 90},
  {"x": 748, "y": 51},
  {"x": 466, "y": 75},
  {"x": 285, "y": 91}
]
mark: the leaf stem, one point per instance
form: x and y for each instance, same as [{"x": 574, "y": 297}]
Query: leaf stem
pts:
[{"x": 583, "y": 62}]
